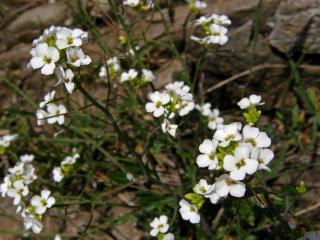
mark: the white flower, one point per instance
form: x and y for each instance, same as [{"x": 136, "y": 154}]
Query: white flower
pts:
[
  {"x": 48, "y": 98},
  {"x": 204, "y": 109},
  {"x": 222, "y": 20},
  {"x": 26, "y": 158},
  {"x": 228, "y": 133},
  {"x": 186, "y": 107},
  {"x": 189, "y": 212},
  {"x": 168, "y": 127},
  {"x": 76, "y": 57},
  {"x": 103, "y": 71},
  {"x": 33, "y": 224},
  {"x": 218, "y": 35},
  {"x": 28, "y": 174},
  {"x": 70, "y": 160},
  {"x": 214, "y": 197},
  {"x": 255, "y": 138},
  {"x": 203, "y": 20},
  {"x": 208, "y": 158},
  {"x": 57, "y": 237},
  {"x": 57, "y": 174},
  {"x": 157, "y": 105},
  {"x": 253, "y": 100},
  {"x": 148, "y": 75},
  {"x": 114, "y": 63},
  {"x": 263, "y": 156},
  {"x": 43, "y": 202},
  {"x": 44, "y": 57},
  {"x": 131, "y": 3},
  {"x": 47, "y": 34},
  {"x": 203, "y": 188},
  {"x": 56, "y": 113},
  {"x": 128, "y": 76},
  {"x": 6, "y": 185},
  {"x": 240, "y": 164},
  {"x": 41, "y": 117},
  {"x": 69, "y": 38},
  {"x": 197, "y": 4},
  {"x": 168, "y": 236},
  {"x": 225, "y": 185},
  {"x": 200, "y": 5},
  {"x": 65, "y": 77},
  {"x": 214, "y": 121},
  {"x": 159, "y": 225},
  {"x": 18, "y": 190},
  {"x": 6, "y": 140},
  {"x": 130, "y": 177}
]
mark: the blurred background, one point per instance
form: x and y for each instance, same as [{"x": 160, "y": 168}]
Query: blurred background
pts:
[{"x": 273, "y": 51}]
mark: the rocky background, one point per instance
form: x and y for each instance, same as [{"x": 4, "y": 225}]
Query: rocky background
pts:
[{"x": 269, "y": 39}]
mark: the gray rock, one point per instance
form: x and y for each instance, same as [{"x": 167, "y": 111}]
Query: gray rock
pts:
[
  {"x": 45, "y": 15},
  {"x": 297, "y": 26}
]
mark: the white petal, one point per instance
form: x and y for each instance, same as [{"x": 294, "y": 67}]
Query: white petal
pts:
[
  {"x": 251, "y": 166},
  {"x": 238, "y": 190},
  {"x": 203, "y": 160},
  {"x": 263, "y": 141},
  {"x": 36, "y": 62},
  {"x": 229, "y": 163},
  {"x": 250, "y": 132},
  {"x": 238, "y": 174},
  {"x": 48, "y": 69},
  {"x": 206, "y": 147}
]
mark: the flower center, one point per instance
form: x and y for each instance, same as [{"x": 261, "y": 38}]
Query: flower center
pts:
[
  {"x": 74, "y": 58},
  {"x": 202, "y": 189},
  {"x": 160, "y": 226},
  {"x": 229, "y": 137},
  {"x": 43, "y": 202},
  {"x": 251, "y": 141},
  {"x": 69, "y": 40},
  {"x": 212, "y": 156},
  {"x": 158, "y": 104},
  {"x": 241, "y": 163},
  {"x": 47, "y": 59},
  {"x": 230, "y": 182}
]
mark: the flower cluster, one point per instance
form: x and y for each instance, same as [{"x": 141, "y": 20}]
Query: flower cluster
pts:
[
  {"x": 54, "y": 113},
  {"x": 214, "y": 29},
  {"x": 160, "y": 228},
  {"x": 58, "y": 50},
  {"x": 176, "y": 99},
  {"x": 139, "y": 4},
  {"x": 236, "y": 150},
  {"x": 111, "y": 69},
  {"x": 65, "y": 168},
  {"x": 16, "y": 186},
  {"x": 212, "y": 115},
  {"x": 59, "y": 47},
  {"x": 196, "y": 5},
  {"x": 137, "y": 79}
]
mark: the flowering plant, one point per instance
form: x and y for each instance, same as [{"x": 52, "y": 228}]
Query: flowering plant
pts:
[{"x": 114, "y": 139}]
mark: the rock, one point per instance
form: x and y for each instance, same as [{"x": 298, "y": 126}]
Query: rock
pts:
[
  {"x": 165, "y": 74},
  {"x": 15, "y": 57},
  {"x": 297, "y": 26},
  {"x": 45, "y": 15}
]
